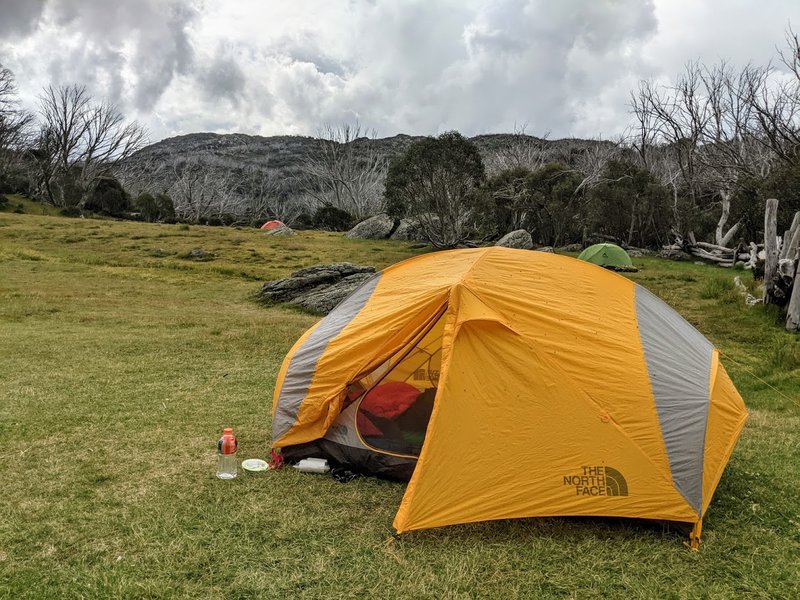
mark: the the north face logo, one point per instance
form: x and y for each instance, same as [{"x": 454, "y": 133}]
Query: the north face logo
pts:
[{"x": 598, "y": 481}]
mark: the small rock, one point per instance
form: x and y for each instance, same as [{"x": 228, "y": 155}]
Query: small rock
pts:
[
  {"x": 199, "y": 254},
  {"x": 516, "y": 239},
  {"x": 571, "y": 248},
  {"x": 545, "y": 249},
  {"x": 280, "y": 230},
  {"x": 673, "y": 254},
  {"x": 378, "y": 227}
]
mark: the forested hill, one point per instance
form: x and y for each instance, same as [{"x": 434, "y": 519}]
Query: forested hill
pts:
[
  {"x": 286, "y": 154},
  {"x": 253, "y": 177}
]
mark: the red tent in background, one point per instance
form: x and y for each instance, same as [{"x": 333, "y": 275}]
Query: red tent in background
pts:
[{"x": 270, "y": 225}]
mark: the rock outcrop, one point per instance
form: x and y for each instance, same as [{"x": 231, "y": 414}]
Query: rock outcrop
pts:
[
  {"x": 516, "y": 239},
  {"x": 378, "y": 227},
  {"x": 409, "y": 230},
  {"x": 319, "y": 288}
]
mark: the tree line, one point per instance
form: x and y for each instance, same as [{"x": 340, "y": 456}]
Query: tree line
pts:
[{"x": 701, "y": 155}]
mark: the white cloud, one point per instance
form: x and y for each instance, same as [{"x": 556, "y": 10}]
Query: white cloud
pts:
[{"x": 417, "y": 66}]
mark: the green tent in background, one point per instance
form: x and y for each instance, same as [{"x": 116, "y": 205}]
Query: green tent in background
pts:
[{"x": 610, "y": 256}]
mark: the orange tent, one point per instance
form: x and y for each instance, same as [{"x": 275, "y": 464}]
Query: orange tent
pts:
[
  {"x": 524, "y": 384},
  {"x": 270, "y": 225}
]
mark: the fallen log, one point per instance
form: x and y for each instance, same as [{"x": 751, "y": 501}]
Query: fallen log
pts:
[
  {"x": 700, "y": 253},
  {"x": 708, "y": 246}
]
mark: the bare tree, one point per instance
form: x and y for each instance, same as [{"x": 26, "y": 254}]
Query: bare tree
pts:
[
  {"x": 264, "y": 198},
  {"x": 347, "y": 171},
  {"x": 522, "y": 151},
  {"x": 708, "y": 123},
  {"x": 775, "y": 102},
  {"x": 15, "y": 123},
  {"x": 145, "y": 174},
  {"x": 197, "y": 191},
  {"x": 591, "y": 163},
  {"x": 80, "y": 141},
  {"x": 663, "y": 165}
]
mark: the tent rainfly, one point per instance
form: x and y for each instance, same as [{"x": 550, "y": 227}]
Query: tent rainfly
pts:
[
  {"x": 270, "y": 225},
  {"x": 610, "y": 256},
  {"x": 506, "y": 383}
]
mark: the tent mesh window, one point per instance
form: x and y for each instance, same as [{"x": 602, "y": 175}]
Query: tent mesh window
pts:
[{"x": 396, "y": 399}]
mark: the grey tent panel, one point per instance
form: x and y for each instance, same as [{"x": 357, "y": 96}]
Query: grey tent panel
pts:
[
  {"x": 678, "y": 361},
  {"x": 343, "y": 429},
  {"x": 303, "y": 363}
]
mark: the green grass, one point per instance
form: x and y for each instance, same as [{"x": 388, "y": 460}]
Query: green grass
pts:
[
  {"x": 22, "y": 205},
  {"x": 122, "y": 360}
]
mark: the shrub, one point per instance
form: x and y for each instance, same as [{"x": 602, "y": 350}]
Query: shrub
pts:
[
  {"x": 630, "y": 205},
  {"x": 108, "y": 196},
  {"x": 503, "y": 203},
  {"x": 303, "y": 221},
  {"x": 332, "y": 219},
  {"x": 166, "y": 208},
  {"x": 14, "y": 183},
  {"x": 147, "y": 207},
  {"x": 70, "y": 211},
  {"x": 554, "y": 205},
  {"x": 436, "y": 178}
]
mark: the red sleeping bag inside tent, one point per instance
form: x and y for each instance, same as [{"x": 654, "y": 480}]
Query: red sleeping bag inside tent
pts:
[{"x": 386, "y": 401}]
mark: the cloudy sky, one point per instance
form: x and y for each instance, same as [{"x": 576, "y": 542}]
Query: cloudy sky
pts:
[{"x": 275, "y": 67}]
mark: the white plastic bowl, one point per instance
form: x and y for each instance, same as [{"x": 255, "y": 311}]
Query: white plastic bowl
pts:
[{"x": 254, "y": 466}]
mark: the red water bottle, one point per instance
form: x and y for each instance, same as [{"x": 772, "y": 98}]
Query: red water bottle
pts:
[{"x": 227, "y": 468}]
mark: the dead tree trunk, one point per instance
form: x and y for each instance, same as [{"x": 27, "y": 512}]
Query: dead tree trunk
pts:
[
  {"x": 793, "y": 310},
  {"x": 791, "y": 258},
  {"x": 792, "y": 239},
  {"x": 770, "y": 248},
  {"x": 722, "y": 237}
]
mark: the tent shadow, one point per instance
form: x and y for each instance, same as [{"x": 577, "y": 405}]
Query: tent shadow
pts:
[{"x": 555, "y": 529}]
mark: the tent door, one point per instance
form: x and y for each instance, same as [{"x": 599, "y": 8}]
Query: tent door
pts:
[{"x": 395, "y": 400}]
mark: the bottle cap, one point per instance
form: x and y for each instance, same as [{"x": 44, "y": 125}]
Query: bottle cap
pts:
[{"x": 227, "y": 431}]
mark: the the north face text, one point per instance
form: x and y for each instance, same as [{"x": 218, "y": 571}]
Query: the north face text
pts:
[{"x": 598, "y": 481}]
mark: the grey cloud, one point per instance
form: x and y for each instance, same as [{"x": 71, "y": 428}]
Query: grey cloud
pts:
[
  {"x": 303, "y": 46},
  {"x": 96, "y": 67},
  {"x": 163, "y": 50},
  {"x": 223, "y": 78},
  {"x": 19, "y": 17},
  {"x": 482, "y": 70},
  {"x": 146, "y": 39}
]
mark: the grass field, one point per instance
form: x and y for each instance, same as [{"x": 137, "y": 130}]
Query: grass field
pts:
[{"x": 122, "y": 359}]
